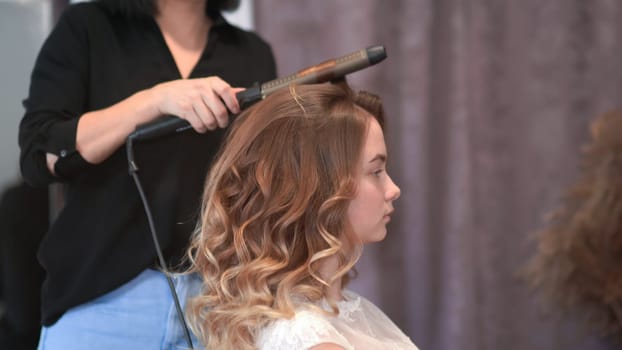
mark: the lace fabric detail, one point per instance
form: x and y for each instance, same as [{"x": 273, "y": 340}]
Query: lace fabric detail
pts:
[
  {"x": 360, "y": 325},
  {"x": 349, "y": 306},
  {"x": 304, "y": 331}
]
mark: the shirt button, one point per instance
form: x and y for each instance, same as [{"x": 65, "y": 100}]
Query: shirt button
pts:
[{"x": 63, "y": 153}]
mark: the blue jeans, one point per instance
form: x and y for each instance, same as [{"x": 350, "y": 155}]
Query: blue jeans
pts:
[{"x": 138, "y": 315}]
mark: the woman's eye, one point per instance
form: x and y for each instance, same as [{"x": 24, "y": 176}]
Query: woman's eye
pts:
[{"x": 378, "y": 172}]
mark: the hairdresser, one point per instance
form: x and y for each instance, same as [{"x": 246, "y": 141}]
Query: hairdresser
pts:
[{"x": 107, "y": 67}]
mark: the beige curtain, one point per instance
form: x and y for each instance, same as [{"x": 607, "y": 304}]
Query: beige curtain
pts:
[{"x": 488, "y": 103}]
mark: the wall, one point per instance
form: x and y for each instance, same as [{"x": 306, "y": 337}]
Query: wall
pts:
[{"x": 23, "y": 27}]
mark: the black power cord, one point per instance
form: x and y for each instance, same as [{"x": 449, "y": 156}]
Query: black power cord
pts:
[{"x": 133, "y": 170}]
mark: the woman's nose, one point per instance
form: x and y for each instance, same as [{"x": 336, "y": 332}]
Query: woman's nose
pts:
[{"x": 393, "y": 191}]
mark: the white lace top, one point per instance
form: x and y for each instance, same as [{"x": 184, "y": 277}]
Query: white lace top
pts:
[{"x": 360, "y": 325}]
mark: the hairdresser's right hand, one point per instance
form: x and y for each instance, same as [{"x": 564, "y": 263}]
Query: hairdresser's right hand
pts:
[{"x": 204, "y": 102}]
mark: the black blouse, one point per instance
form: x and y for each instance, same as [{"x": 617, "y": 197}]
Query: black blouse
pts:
[{"x": 91, "y": 60}]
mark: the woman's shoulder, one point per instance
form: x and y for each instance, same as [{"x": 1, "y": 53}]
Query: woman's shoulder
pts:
[
  {"x": 251, "y": 39},
  {"x": 89, "y": 14},
  {"x": 74, "y": 26},
  {"x": 365, "y": 319},
  {"x": 303, "y": 321},
  {"x": 307, "y": 328},
  {"x": 85, "y": 10}
]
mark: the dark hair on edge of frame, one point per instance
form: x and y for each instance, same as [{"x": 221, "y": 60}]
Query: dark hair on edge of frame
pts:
[
  {"x": 578, "y": 263},
  {"x": 148, "y": 8}
]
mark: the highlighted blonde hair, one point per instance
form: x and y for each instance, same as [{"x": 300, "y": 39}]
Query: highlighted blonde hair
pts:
[{"x": 275, "y": 207}]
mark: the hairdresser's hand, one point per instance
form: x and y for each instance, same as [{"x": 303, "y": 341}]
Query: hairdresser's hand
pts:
[{"x": 204, "y": 102}]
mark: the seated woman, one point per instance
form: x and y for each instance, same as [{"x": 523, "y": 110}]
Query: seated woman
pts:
[
  {"x": 299, "y": 187},
  {"x": 578, "y": 264}
]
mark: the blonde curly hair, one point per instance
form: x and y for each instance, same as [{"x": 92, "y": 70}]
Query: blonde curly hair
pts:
[
  {"x": 578, "y": 263},
  {"x": 274, "y": 208}
]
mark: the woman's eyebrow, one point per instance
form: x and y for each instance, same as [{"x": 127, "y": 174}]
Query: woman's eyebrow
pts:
[{"x": 380, "y": 157}]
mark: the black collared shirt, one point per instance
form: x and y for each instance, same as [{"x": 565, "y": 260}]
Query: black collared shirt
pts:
[{"x": 91, "y": 60}]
